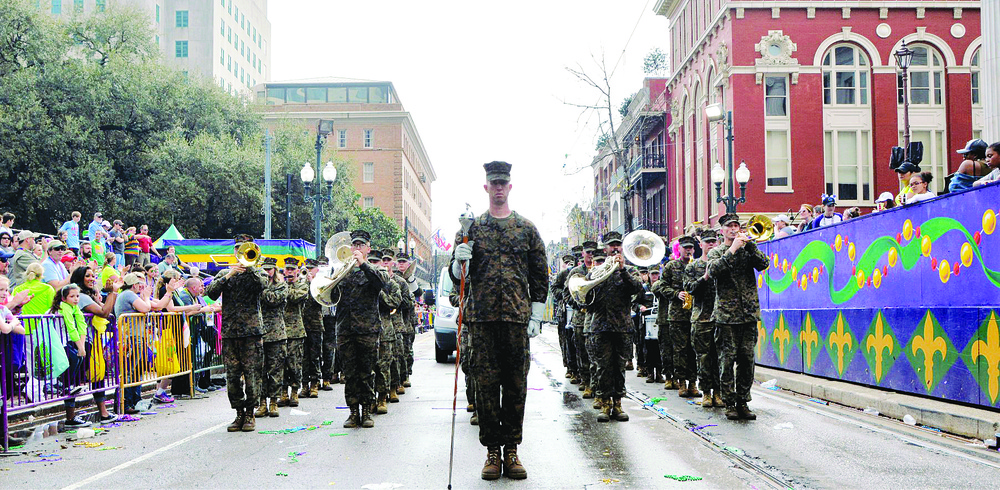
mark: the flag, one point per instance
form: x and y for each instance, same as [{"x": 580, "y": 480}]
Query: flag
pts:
[{"x": 439, "y": 241}]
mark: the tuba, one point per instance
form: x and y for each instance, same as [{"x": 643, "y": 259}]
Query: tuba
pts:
[
  {"x": 760, "y": 228},
  {"x": 338, "y": 252},
  {"x": 643, "y": 248},
  {"x": 580, "y": 285}
]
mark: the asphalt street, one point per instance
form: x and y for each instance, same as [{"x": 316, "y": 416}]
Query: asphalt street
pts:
[{"x": 794, "y": 443}]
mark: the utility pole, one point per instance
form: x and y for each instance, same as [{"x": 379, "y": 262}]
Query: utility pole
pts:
[
  {"x": 267, "y": 184},
  {"x": 288, "y": 206}
]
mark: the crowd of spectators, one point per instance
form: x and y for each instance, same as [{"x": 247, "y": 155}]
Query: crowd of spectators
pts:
[{"x": 105, "y": 273}]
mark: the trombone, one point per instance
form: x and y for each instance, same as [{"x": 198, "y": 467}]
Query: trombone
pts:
[{"x": 247, "y": 254}]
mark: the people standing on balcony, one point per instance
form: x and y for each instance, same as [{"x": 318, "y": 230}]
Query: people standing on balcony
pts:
[
  {"x": 782, "y": 228},
  {"x": 993, "y": 160},
  {"x": 905, "y": 171},
  {"x": 884, "y": 202},
  {"x": 830, "y": 215},
  {"x": 919, "y": 188},
  {"x": 972, "y": 168}
]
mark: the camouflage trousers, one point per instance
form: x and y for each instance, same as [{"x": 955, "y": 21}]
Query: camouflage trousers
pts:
[
  {"x": 243, "y": 358},
  {"x": 293, "y": 362},
  {"x": 312, "y": 360},
  {"x": 501, "y": 359},
  {"x": 409, "y": 337},
  {"x": 571, "y": 360},
  {"x": 684, "y": 364},
  {"x": 329, "y": 347},
  {"x": 274, "y": 368},
  {"x": 703, "y": 336},
  {"x": 736, "y": 343},
  {"x": 385, "y": 370},
  {"x": 610, "y": 356},
  {"x": 561, "y": 331},
  {"x": 360, "y": 353},
  {"x": 582, "y": 356},
  {"x": 399, "y": 360},
  {"x": 591, "y": 343},
  {"x": 639, "y": 340},
  {"x": 465, "y": 357},
  {"x": 666, "y": 351}
]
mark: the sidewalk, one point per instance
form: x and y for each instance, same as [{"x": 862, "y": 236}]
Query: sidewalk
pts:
[{"x": 949, "y": 417}]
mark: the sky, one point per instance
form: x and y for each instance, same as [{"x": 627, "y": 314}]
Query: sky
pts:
[{"x": 483, "y": 81}]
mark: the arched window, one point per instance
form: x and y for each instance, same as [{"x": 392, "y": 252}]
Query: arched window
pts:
[
  {"x": 977, "y": 102},
  {"x": 845, "y": 76},
  {"x": 926, "y": 77},
  {"x": 975, "y": 79}
]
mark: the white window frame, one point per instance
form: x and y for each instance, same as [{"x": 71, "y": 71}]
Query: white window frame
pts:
[
  {"x": 935, "y": 84},
  {"x": 368, "y": 172},
  {"x": 778, "y": 124},
  {"x": 367, "y": 202},
  {"x": 369, "y": 138},
  {"x": 861, "y": 68},
  {"x": 342, "y": 138},
  {"x": 864, "y": 170}
]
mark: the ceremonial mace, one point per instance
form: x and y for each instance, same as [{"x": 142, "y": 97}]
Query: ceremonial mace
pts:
[{"x": 465, "y": 220}]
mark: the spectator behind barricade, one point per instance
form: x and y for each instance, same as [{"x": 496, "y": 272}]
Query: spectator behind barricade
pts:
[
  {"x": 108, "y": 271},
  {"x": 94, "y": 226},
  {"x": 67, "y": 304},
  {"x": 23, "y": 257},
  {"x": 184, "y": 300},
  {"x": 150, "y": 274},
  {"x": 885, "y": 201},
  {"x": 41, "y": 293},
  {"x": 781, "y": 226},
  {"x": 55, "y": 273},
  {"x": 145, "y": 245},
  {"x": 38, "y": 251},
  {"x": 91, "y": 302},
  {"x": 116, "y": 237},
  {"x": 993, "y": 160},
  {"x": 131, "y": 248},
  {"x": 107, "y": 236},
  {"x": 905, "y": 171},
  {"x": 7, "y": 223},
  {"x": 807, "y": 217},
  {"x": 72, "y": 229},
  {"x": 851, "y": 213},
  {"x": 169, "y": 262},
  {"x": 6, "y": 242},
  {"x": 6, "y": 252},
  {"x": 132, "y": 298},
  {"x": 830, "y": 215},
  {"x": 972, "y": 168},
  {"x": 70, "y": 262},
  {"x": 919, "y": 186},
  {"x": 163, "y": 292},
  {"x": 8, "y": 305},
  {"x": 85, "y": 251},
  {"x": 97, "y": 248}
]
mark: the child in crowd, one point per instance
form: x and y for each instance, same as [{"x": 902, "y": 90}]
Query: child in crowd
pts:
[{"x": 67, "y": 304}]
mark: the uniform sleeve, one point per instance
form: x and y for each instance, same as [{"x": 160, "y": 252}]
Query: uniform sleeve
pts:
[
  {"x": 659, "y": 286},
  {"x": 274, "y": 295},
  {"x": 391, "y": 295},
  {"x": 632, "y": 283},
  {"x": 214, "y": 288},
  {"x": 376, "y": 279},
  {"x": 538, "y": 270},
  {"x": 720, "y": 261},
  {"x": 673, "y": 283},
  {"x": 559, "y": 285},
  {"x": 296, "y": 292},
  {"x": 458, "y": 240},
  {"x": 757, "y": 258}
]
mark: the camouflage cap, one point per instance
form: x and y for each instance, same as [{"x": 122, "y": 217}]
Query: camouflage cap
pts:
[
  {"x": 375, "y": 255},
  {"x": 292, "y": 263},
  {"x": 388, "y": 254},
  {"x": 497, "y": 171},
  {"x": 402, "y": 256},
  {"x": 569, "y": 258},
  {"x": 729, "y": 218},
  {"x": 642, "y": 269},
  {"x": 599, "y": 253},
  {"x": 687, "y": 241},
  {"x": 269, "y": 263},
  {"x": 708, "y": 234},
  {"x": 361, "y": 236},
  {"x": 324, "y": 261},
  {"x": 576, "y": 249},
  {"x": 242, "y": 238},
  {"x": 312, "y": 263},
  {"x": 589, "y": 246},
  {"x": 612, "y": 237}
]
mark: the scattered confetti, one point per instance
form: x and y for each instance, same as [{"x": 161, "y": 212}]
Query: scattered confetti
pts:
[
  {"x": 281, "y": 474},
  {"x": 89, "y": 445},
  {"x": 821, "y": 402},
  {"x": 654, "y": 401},
  {"x": 289, "y": 431},
  {"x": 338, "y": 434},
  {"x": 111, "y": 425},
  {"x": 43, "y": 460},
  {"x": 703, "y": 427},
  {"x": 608, "y": 481},
  {"x": 293, "y": 456},
  {"x": 734, "y": 450},
  {"x": 327, "y": 422},
  {"x": 129, "y": 418},
  {"x": 171, "y": 405},
  {"x": 683, "y": 477},
  {"x": 148, "y": 413},
  {"x": 109, "y": 448},
  {"x": 341, "y": 408}
]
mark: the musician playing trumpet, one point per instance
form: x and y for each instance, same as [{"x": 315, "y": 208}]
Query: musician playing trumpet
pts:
[
  {"x": 678, "y": 336},
  {"x": 737, "y": 311}
]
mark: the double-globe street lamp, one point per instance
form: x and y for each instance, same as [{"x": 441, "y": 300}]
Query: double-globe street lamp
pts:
[
  {"x": 714, "y": 113},
  {"x": 329, "y": 174}
]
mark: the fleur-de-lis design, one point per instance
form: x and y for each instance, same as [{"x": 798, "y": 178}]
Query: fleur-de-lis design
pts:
[
  {"x": 807, "y": 338},
  {"x": 781, "y": 337},
  {"x": 840, "y": 339},
  {"x": 879, "y": 341},
  {"x": 761, "y": 339},
  {"x": 930, "y": 344},
  {"x": 990, "y": 352}
]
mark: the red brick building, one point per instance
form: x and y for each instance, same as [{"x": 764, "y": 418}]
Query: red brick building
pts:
[{"x": 816, "y": 102}]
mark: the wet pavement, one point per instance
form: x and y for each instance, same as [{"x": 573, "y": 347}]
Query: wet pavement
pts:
[{"x": 186, "y": 445}]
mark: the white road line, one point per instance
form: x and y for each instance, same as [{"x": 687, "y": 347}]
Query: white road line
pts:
[{"x": 144, "y": 457}]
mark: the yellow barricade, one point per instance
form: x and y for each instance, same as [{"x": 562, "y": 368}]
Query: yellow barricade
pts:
[{"x": 151, "y": 347}]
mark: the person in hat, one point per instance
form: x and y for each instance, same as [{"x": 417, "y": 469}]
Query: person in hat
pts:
[
  {"x": 412, "y": 291},
  {"x": 972, "y": 168},
  {"x": 830, "y": 215},
  {"x": 387, "y": 374},
  {"x": 640, "y": 303},
  {"x": 56, "y": 274},
  {"x": 272, "y": 311},
  {"x": 358, "y": 326},
  {"x": 703, "y": 333},
  {"x": 671, "y": 288},
  {"x": 885, "y": 201},
  {"x": 400, "y": 321},
  {"x": 734, "y": 266},
  {"x": 611, "y": 330},
  {"x": 23, "y": 257},
  {"x": 782, "y": 226},
  {"x": 295, "y": 333},
  {"x": 507, "y": 283},
  {"x": 905, "y": 171},
  {"x": 650, "y": 341},
  {"x": 599, "y": 256},
  {"x": 584, "y": 367},
  {"x": 133, "y": 297},
  {"x": 330, "y": 367},
  {"x": 993, "y": 160},
  {"x": 312, "y": 319},
  {"x": 556, "y": 289},
  {"x": 242, "y": 336}
]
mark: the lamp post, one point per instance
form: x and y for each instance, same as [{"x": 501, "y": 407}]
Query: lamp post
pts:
[
  {"x": 903, "y": 57},
  {"x": 329, "y": 174},
  {"x": 714, "y": 113}
]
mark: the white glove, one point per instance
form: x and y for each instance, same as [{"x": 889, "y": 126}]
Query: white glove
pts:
[
  {"x": 456, "y": 269},
  {"x": 535, "y": 324},
  {"x": 463, "y": 251}
]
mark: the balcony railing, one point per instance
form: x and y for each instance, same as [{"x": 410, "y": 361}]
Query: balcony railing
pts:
[{"x": 642, "y": 162}]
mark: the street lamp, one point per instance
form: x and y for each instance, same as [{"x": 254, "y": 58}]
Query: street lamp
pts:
[
  {"x": 715, "y": 113},
  {"x": 329, "y": 175},
  {"x": 903, "y": 57}
]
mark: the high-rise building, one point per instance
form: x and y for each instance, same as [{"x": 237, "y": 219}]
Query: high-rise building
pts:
[
  {"x": 373, "y": 130},
  {"x": 227, "y": 40}
]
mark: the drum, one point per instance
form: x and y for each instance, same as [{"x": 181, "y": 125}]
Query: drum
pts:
[{"x": 652, "y": 329}]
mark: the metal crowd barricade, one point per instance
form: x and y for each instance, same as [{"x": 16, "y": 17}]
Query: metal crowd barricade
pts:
[
  {"x": 151, "y": 347},
  {"x": 36, "y": 370},
  {"x": 206, "y": 345}
]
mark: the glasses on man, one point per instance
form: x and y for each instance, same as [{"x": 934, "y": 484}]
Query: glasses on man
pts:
[{"x": 58, "y": 249}]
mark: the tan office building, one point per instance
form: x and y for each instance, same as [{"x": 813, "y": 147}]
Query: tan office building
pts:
[{"x": 371, "y": 128}]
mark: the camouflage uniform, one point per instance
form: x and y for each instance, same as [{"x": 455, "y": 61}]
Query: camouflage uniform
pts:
[
  {"x": 272, "y": 309},
  {"x": 358, "y": 326},
  {"x": 385, "y": 374},
  {"x": 579, "y": 319},
  {"x": 737, "y": 311},
  {"x": 465, "y": 354},
  {"x": 312, "y": 319},
  {"x": 401, "y": 322},
  {"x": 611, "y": 328},
  {"x": 242, "y": 333},
  {"x": 702, "y": 328},
  {"x": 508, "y": 271},
  {"x": 295, "y": 332},
  {"x": 329, "y": 367},
  {"x": 679, "y": 320},
  {"x": 663, "y": 337},
  {"x": 556, "y": 290}
]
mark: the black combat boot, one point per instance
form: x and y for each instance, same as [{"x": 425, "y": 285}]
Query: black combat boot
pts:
[
  {"x": 744, "y": 411},
  {"x": 732, "y": 413}
]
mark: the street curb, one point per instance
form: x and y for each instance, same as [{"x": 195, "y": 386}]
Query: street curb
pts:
[{"x": 952, "y": 418}]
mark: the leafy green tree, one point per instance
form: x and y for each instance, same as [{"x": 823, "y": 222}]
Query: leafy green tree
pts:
[
  {"x": 655, "y": 63},
  {"x": 384, "y": 230}
]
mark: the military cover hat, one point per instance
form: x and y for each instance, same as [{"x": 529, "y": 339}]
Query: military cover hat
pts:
[
  {"x": 292, "y": 263},
  {"x": 589, "y": 246},
  {"x": 576, "y": 249},
  {"x": 569, "y": 258},
  {"x": 361, "y": 236},
  {"x": 687, "y": 241},
  {"x": 599, "y": 253},
  {"x": 242, "y": 238},
  {"x": 729, "y": 218},
  {"x": 612, "y": 237},
  {"x": 375, "y": 255},
  {"x": 323, "y": 261},
  {"x": 269, "y": 263},
  {"x": 402, "y": 256},
  {"x": 312, "y": 263},
  {"x": 388, "y": 254},
  {"x": 708, "y": 234},
  {"x": 497, "y": 171},
  {"x": 642, "y": 269}
]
